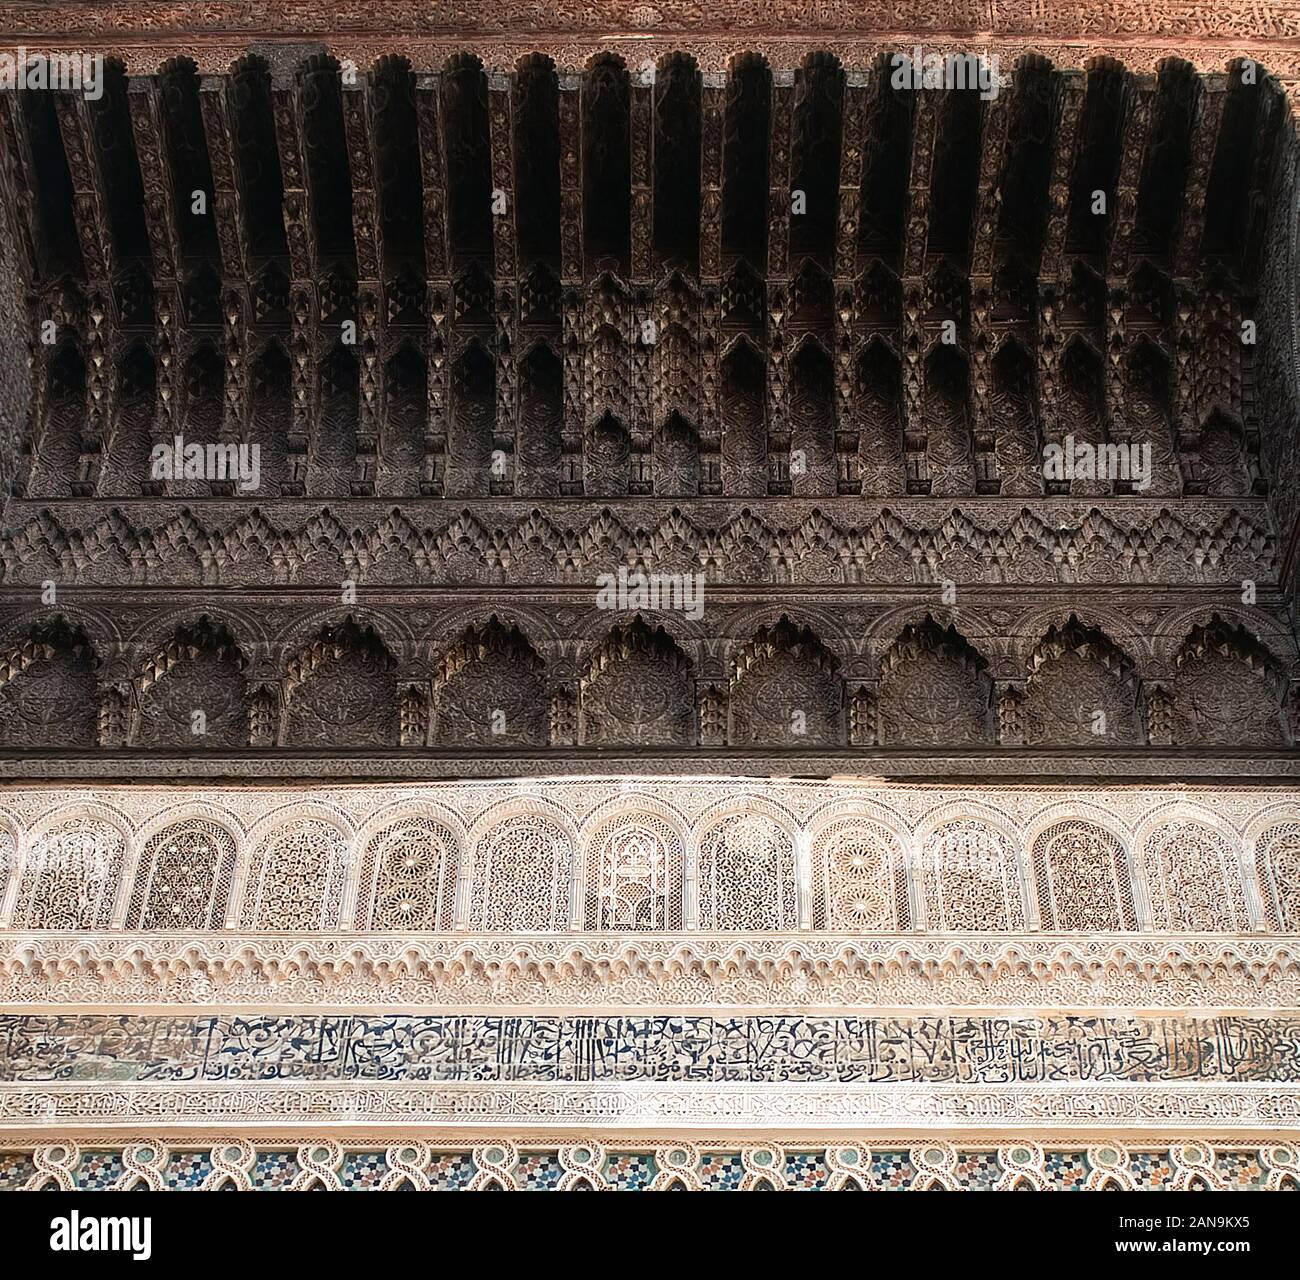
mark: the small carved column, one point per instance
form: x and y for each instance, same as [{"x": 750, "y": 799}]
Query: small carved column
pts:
[
  {"x": 863, "y": 703},
  {"x": 264, "y": 715},
  {"x": 1186, "y": 418},
  {"x": 711, "y": 701},
  {"x": 1160, "y": 715},
  {"x": 1011, "y": 720},
  {"x": 437, "y": 269},
  {"x": 778, "y": 282}
]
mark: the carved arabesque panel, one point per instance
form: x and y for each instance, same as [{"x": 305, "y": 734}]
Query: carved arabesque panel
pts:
[
  {"x": 933, "y": 689},
  {"x": 184, "y": 878},
  {"x": 408, "y": 877},
  {"x": 634, "y": 875},
  {"x": 1082, "y": 878},
  {"x": 972, "y": 878},
  {"x": 1081, "y": 690},
  {"x": 747, "y": 875},
  {"x": 637, "y": 691},
  {"x": 1194, "y": 878},
  {"x": 1277, "y": 862},
  {"x": 71, "y": 875},
  {"x": 784, "y": 690},
  {"x": 296, "y": 878},
  {"x": 491, "y": 691},
  {"x": 521, "y": 871},
  {"x": 47, "y": 693},
  {"x": 340, "y": 691},
  {"x": 1226, "y": 690},
  {"x": 860, "y": 880},
  {"x": 186, "y": 679}
]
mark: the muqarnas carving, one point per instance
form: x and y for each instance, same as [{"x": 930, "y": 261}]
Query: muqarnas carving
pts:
[
  {"x": 490, "y": 691},
  {"x": 933, "y": 689},
  {"x": 637, "y": 691},
  {"x": 784, "y": 690},
  {"x": 48, "y": 692},
  {"x": 1081, "y": 690}
]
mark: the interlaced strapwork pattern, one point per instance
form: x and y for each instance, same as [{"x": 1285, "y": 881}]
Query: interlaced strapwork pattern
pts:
[
  {"x": 70, "y": 877},
  {"x": 296, "y": 879},
  {"x": 184, "y": 877},
  {"x": 1082, "y": 879},
  {"x": 409, "y": 877},
  {"x": 747, "y": 877},
  {"x": 1277, "y": 860},
  {"x": 522, "y": 870},
  {"x": 861, "y": 879},
  {"x": 634, "y": 875},
  {"x": 1199, "y": 879},
  {"x": 972, "y": 878},
  {"x": 648, "y": 864}
]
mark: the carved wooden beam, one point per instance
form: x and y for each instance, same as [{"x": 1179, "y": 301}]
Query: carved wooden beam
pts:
[
  {"x": 713, "y": 109},
  {"x": 19, "y": 189},
  {"x": 1138, "y": 120},
  {"x": 993, "y": 144},
  {"x": 1204, "y": 143},
  {"x": 1065, "y": 142},
  {"x": 916, "y": 227},
  {"x": 227, "y": 194},
  {"x": 780, "y": 159},
  {"x": 856, "y": 109},
  {"x": 571, "y": 278},
  {"x": 1071, "y": 90},
  {"x": 505, "y": 302},
  {"x": 18, "y": 196},
  {"x": 642, "y": 126},
  {"x": 984, "y": 231},
  {"x": 89, "y": 194},
  {"x": 94, "y": 232},
  {"x": 367, "y": 236},
  {"x": 148, "y": 126},
  {"x": 149, "y": 130},
  {"x": 232, "y": 240},
  {"x": 437, "y": 270},
  {"x": 305, "y": 338},
  {"x": 642, "y": 140}
]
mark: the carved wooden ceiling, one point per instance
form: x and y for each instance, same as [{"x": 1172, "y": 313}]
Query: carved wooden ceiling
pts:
[
  {"x": 645, "y": 281},
  {"x": 710, "y": 302}
]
